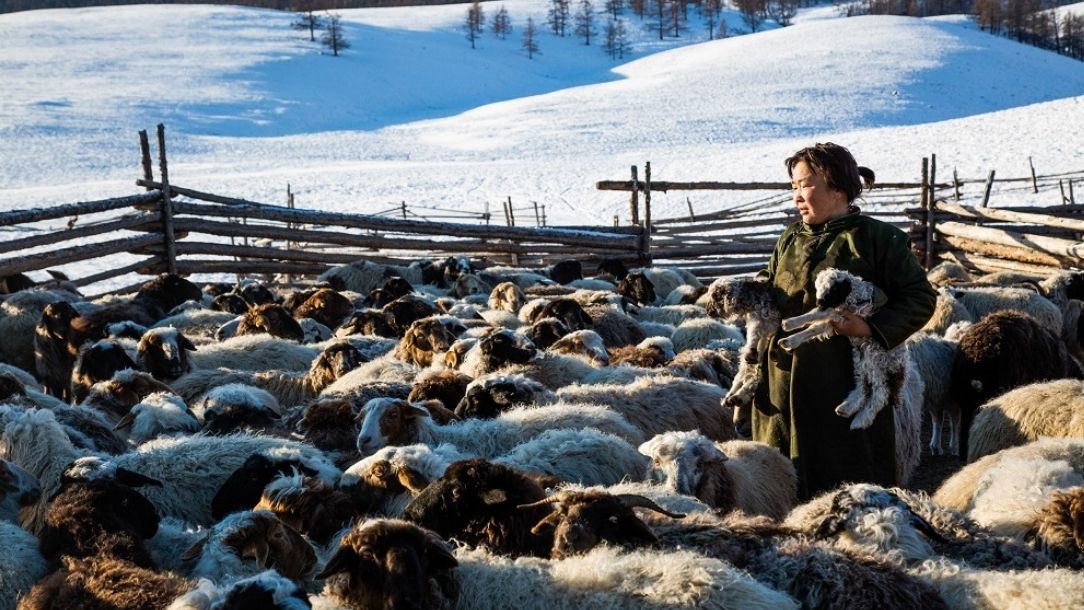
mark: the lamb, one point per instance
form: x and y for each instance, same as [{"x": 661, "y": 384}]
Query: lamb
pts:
[
  {"x": 449, "y": 386},
  {"x": 1004, "y": 350},
  {"x": 266, "y": 590},
  {"x": 1025, "y": 414},
  {"x": 246, "y": 543},
  {"x": 752, "y": 301},
  {"x": 742, "y": 475},
  {"x": 163, "y": 352},
  {"x": 397, "y": 422},
  {"x": 661, "y": 404},
  {"x": 933, "y": 357}
]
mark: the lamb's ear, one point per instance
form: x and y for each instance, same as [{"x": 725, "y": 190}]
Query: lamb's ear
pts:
[
  {"x": 339, "y": 562},
  {"x": 451, "y": 359},
  {"x": 195, "y": 550},
  {"x": 411, "y": 479},
  {"x": 124, "y": 422}
]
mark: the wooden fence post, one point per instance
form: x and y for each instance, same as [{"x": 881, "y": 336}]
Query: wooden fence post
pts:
[
  {"x": 989, "y": 185},
  {"x": 926, "y": 205},
  {"x": 646, "y": 248},
  {"x": 167, "y": 204},
  {"x": 1061, "y": 186},
  {"x": 511, "y": 213},
  {"x": 634, "y": 199},
  {"x": 145, "y": 157},
  {"x": 955, "y": 186},
  {"x": 1034, "y": 180},
  {"x": 537, "y": 218},
  {"x": 1072, "y": 199},
  {"x": 692, "y": 216}
]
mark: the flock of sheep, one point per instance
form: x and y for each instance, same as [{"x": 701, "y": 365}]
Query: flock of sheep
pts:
[{"x": 443, "y": 436}]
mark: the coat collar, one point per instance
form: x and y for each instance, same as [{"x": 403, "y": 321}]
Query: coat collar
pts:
[{"x": 846, "y": 221}]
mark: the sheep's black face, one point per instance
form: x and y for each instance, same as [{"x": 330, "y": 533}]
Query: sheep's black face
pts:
[
  {"x": 272, "y": 319},
  {"x": 404, "y": 311},
  {"x": 326, "y": 307},
  {"x": 15, "y": 282},
  {"x": 169, "y": 290},
  {"x": 98, "y": 362},
  {"x": 231, "y": 303},
  {"x": 566, "y": 271},
  {"x": 637, "y": 288},
  {"x": 490, "y": 400},
  {"x": 243, "y": 488},
  {"x": 234, "y": 418},
  {"x": 455, "y": 266},
  {"x": 378, "y": 297},
  {"x": 567, "y": 311},
  {"x": 431, "y": 272},
  {"x": 506, "y": 347},
  {"x": 256, "y": 294},
  {"x": 1074, "y": 289},
  {"x": 544, "y": 333},
  {"x": 165, "y": 354},
  {"x": 253, "y": 595},
  {"x": 398, "y": 287},
  {"x": 614, "y": 267},
  {"x": 367, "y": 322},
  {"x": 56, "y": 319},
  {"x": 835, "y": 295},
  {"x": 337, "y": 360}
]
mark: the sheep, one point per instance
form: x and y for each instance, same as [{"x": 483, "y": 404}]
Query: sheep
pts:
[
  {"x": 506, "y": 296},
  {"x": 310, "y": 506},
  {"x": 397, "y": 422},
  {"x": 326, "y": 307},
  {"x": 674, "y": 315},
  {"x": 372, "y": 322},
  {"x": 104, "y": 582},
  {"x": 427, "y": 337},
  {"x": 699, "y": 332},
  {"x": 115, "y": 397},
  {"x": 948, "y": 272},
  {"x": 200, "y": 325},
  {"x": 392, "y": 476},
  {"x": 489, "y": 395},
  {"x": 254, "y": 293},
  {"x": 446, "y": 385},
  {"x": 253, "y": 353},
  {"x": 1026, "y": 413},
  {"x": 266, "y": 590},
  {"x": 656, "y": 405},
  {"x": 390, "y": 564},
  {"x": 585, "y": 456},
  {"x": 52, "y": 360},
  {"x": 97, "y": 362},
  {"x": 236, "y": 407},
  {"x": 817, "y": 576},
  {"x": 364, "y": 276},
  {"x": 231, "y": 302},
  {"x": 584, "y": 343},
  {"x": 158, "y": 414},
  {"x": 742, "y": 475},
  {"x": 983, "y": 301},
  {"x": 639, "y": 289},
  {"x": 1056, "y": 527},
  {"x": 247, "y": 543},
  {"x": 163, "y": 352},
  {"x": 21, "y": 563},
  {"x": 565, "y": 271},
  {"x": 947, "y": 311},
  {"x": 18, "y": 489},
  {"x": 964, "y": 587},
  {"x": 1004, "y": 350},
  {"x": 313, "y": 331},
  {"x": 710, "y": 366},
  {"x": 566, "y": 310},
  {"x": 272, "y": 319},
  {"x": 544, "y": 332},
  {"x": 933, "y": 357},
  {"x": 652, "y": 352}
]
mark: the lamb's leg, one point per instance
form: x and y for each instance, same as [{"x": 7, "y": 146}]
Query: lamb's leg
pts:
[
  {"x": 859, "y": 396},
  {"x": 879, "y": 369},
  {"x": 935, "y": 434},
  {"x": 809, "y": 317},
  {"x": 820, "y": 330},
  {"x": 954, "y": 431}
]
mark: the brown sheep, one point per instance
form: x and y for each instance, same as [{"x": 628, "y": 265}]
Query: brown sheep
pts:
[
  {"x": 310, "y": 506},
  {"x": 326, "y": 307},
  {"x": 272, "y": 319},
  {"x": 448, "y": 386},
  {"x": 104, "y": 583},
  {"x": 367, "y": 322},
  {"x": 116, "y": 396},
  {"x": 1059, "y": 527},
  {"x": 423, "y": 340}
]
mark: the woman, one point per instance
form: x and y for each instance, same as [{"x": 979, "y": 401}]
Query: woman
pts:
[{"x": 794, "y": 408}]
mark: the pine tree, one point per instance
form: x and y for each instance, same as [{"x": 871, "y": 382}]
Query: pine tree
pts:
[
  {"x": 501, "y": 24},
  {"x": 615, "y": 39},
  {"x": 475, "y": 22},
  {"x": 307, "y": 20},
  {"x": 333, "y": 35},
  {"x": 557, "y": 17},
  {"x": 585, "y": 21},
  {"x": 530, "y": 40},
  {"x": 613, "y": 7}
]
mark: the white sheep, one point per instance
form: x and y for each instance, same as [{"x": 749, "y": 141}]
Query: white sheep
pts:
[
  {"x": 699, "y": 332},
  {"x": 280, "y": 592},
  {"x": 932, "y": 357},
  {"x": 743, "y": 475},
  {"x": 246, "y": 543},
  {"x": 981, "y": 301},
  {"x": 156, "y": 415},
  {"x": 674, "y": 315},
  {"x": 1026, "y": 413},
  {"x": 199, "y": 325},
  {"x": 254, "y": 353}
]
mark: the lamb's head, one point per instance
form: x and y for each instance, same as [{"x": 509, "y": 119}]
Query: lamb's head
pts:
[
  {"x": 731, "y": 298},
  {"x": 507, "y": 296},
  {"x": 546, "y": 331},
  {"x": 406, "y": 310},
  {"x": 163, "y": 352},
  {"x": 243, "y": 488},
  {"x": 502, "y": 347},
  {"x": 387, "y": 563},
  {"x": 273, "y": 319},
  {"x": 637, "y": 288},
  {"x": 680, "y": 460},
  {"x": 585, "y": 343},
  {"x": 397, "y": 287},
  {"x": 566, "y": 271},
  {"x": 568, "y": 311},
  {"x": 424, "y": 339},
  {"x": 336, "y": 360},
  {"x": 580, "y": 520},
  {"x": 18, "y": 490},
  {"x": 326, "y": 306},
  {"x": 367, "y": 322},
  {"x": 389, "y": 421},
  {"x": 392, "y": 476},
  {"x": 490, "y": 395},
  {"x": 1059, "y": 527},
  {"x": 230, "y": 302},
  {"x": 836, "y": 288},
  {"x": 468, "y": 284},
  {"x": 457, "y": 353},
  {"x": 259, "y": 537}
]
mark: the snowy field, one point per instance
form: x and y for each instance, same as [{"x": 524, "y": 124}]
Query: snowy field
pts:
[{"x": 411, "y": 113}]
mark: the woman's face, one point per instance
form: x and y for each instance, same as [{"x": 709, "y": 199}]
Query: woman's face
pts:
[{"x": 817, "y": 202}]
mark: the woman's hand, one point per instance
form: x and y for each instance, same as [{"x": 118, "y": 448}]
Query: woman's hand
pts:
[{"x": 852, "y": 325}]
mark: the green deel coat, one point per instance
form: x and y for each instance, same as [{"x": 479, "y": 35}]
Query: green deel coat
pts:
[{"x": 794, "y": 407}]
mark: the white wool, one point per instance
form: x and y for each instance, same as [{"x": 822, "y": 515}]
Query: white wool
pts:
[
  {"x": 313, "y": 331},
  {"x": 160, "y": 413},
  {"x": 237, "y": 394},
  {"x": 1010, "y": 495}
]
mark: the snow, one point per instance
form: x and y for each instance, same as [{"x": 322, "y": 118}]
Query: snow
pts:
[{"x": 411, "y": 113}]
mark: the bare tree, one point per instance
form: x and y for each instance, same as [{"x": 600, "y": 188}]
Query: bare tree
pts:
[
  {"x": 585, "y": 21},
  {"x": 501, "y": 24},
  {"x": 782, "y": 11},
  {"x": 475, "y": 21},
  {"x": 639, "y": 8},
  {"x": 307, "y": 20},
  {"x": 613, "y": 7},
  {"x": 616, "y": 39},
  {"x": 752, "y": 12},
  {"x": 678, "y": 17},
  {"x": 661, "y": 20},
  {"x": 557, "y": 17},
  {"x": 709, "y": 10},
  {"x": 530, "y": 39},
  {"x": 333, "y": 34}
]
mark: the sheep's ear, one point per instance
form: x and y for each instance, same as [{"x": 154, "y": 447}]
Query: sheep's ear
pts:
[
  {"x": 339, "y": 562},
  {"x": 439, "y": 555},
  {"x": 195, "y": 550},
  {"x": 134, "y": 479},
  {"x": 548, "y": 522},
  {"x": 414, "y": 412},
  {"x": 412, "y": 480},
  {"x": 186, "y": 343},
  {"x": 636, "y": 531}
]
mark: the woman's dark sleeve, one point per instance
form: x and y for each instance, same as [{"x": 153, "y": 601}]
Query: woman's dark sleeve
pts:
[{"x": 911, "y": 298}]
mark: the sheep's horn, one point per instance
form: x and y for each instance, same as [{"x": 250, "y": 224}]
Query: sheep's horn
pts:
[
  {"x": 634, "y": 501},
  {"x": 554, "y": 499}
]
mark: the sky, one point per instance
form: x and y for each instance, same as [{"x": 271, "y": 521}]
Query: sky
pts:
[{"x": 410, "y": 113}]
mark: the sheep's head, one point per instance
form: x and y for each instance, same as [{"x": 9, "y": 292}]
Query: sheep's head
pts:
[
  {"x": 272, "y": 319},
  {"x": 329, "y": 423},
  {"x": 613, "y": 267},
  {"x": 431, "y": 272},
  {"x": 468, "y": 284},
  {"x": 568, "y": 311},
  {"x": 406, "y": 310},
  {"x": 18, "y": 490},
  {"x": 457, "y": 353},
  {"x": 566, "y": 271},
  {"x": 123, "y": 391},
  {"x": 637, "y": 288},
  {"x": 169, "y": 290},
  {"x": 584, "y": 342},
  {"x": 157, "y": 414},
  {"x": 230, "y": 302},
  {"x": 455, "y": 266},
  {"x": 837, "y": 288},
  {"x": 680, "y": 459},
  {"x": 448, "y": 386},
  {"x": 867, "y": 516},
  {"x": 243, "y": 488},
  {"x": 267, "y": 591},
  {"x": 97, "y": 362},
  {"x": 423, "y": 339},
  {"x": 163, "y": 352},
  {"x": 491, "y": 395},
  {"x": 730, "y": 298},
  {"x": 502, "y": 347},
  {"x": 336, "y": 360},
  {"x": 1059, "y": 527},
  {"x": 326, "y": 306},
  {"x": 397, "y": 287},
  {"x": 507, "y": 296},
  {"x": 308, "y": 505},
  {"x": 388, "y": 421},
  {"x": 56, "y": 319},
  {"x": 260, "y": 537},
  {"x": 392, "y": 564},
  {"x": 580, "y": 520},
  {"x": 235, "y": 406},
  {"x": 547, "y": 331},
  {"x": 255, "y": 293},
  {"x": 1074, "y": 285},
  {"x": 367, "y": 322}
]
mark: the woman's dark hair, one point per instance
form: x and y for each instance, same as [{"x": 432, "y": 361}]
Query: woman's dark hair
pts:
[{"x": 838, "y": 167}]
